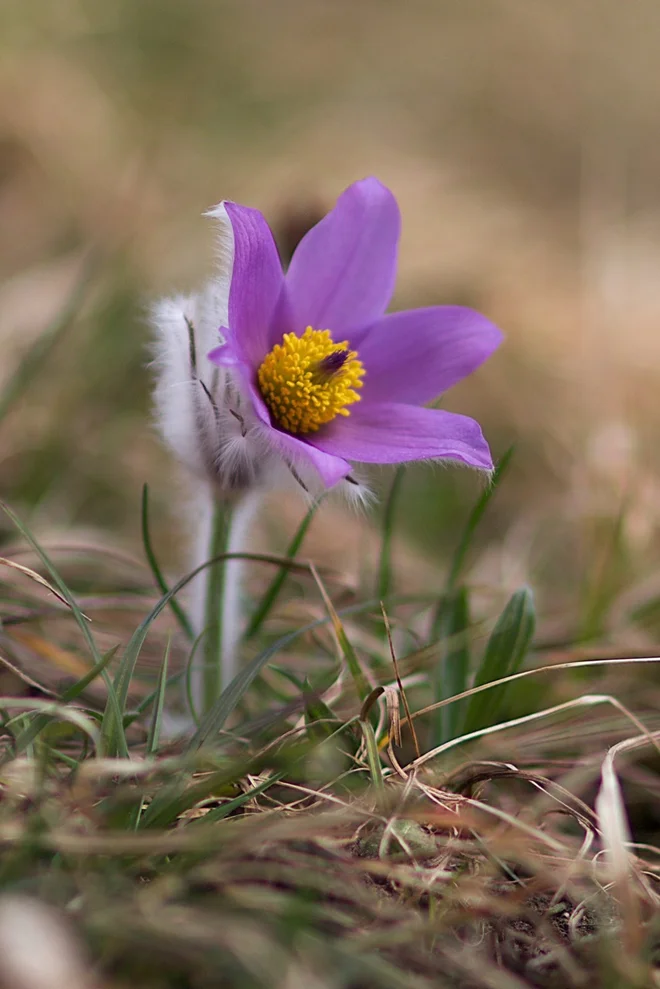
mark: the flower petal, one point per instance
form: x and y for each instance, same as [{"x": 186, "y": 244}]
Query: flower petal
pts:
[
  {"x": 226, "y": 355},
  {"x": 331, "y": 468},
  {"x": 256, "y": 278},
  {"x": 388, "y": 433},
  {"x": 414, "y": 356},
  {"x": 342, "y": 274}
]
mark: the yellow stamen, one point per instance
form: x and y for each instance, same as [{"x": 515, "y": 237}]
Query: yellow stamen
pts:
[{"x": 306, "y": 381}]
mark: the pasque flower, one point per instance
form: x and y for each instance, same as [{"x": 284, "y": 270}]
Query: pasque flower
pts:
[
  {"x": 304, "y": 373},
  {"x": 323, "y": 377}
]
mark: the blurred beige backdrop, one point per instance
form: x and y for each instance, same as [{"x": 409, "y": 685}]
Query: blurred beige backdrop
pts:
[{"x": 520, "y": 136}]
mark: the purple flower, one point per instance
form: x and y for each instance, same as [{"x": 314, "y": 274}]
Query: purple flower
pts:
[{"x": 327, "y": 377}]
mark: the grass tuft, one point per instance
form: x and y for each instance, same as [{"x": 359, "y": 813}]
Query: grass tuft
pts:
[{"x": 303, "y": 834}]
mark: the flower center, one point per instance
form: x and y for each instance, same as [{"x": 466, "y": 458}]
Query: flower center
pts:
[{"x": 306, "y": 381}]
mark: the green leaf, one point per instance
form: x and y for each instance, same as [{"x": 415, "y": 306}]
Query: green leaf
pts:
[
  {"x": 451, "y": 671},
  {"x": 504, "y": 655},
  {"x": 475, "y": 518},
  {"x": 265, "y": 606}
]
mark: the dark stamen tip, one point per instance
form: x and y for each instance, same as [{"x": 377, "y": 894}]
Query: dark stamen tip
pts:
[{"x": 333, "y": 363}]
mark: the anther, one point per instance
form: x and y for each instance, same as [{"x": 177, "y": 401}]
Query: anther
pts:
[{"x": 331, "y": 365}]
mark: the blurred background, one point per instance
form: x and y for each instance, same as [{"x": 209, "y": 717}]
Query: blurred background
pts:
[{"x": 521, "y": 139}]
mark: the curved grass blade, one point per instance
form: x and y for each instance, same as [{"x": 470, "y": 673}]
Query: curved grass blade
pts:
[
  {"x": 51, "y": 709},
  {"x": 504, "y": 655},
  {"x": 177, "y": 610},
  {"x": 384, "y": 582},
  {"x": 476, "y": 515},
  {"x": 183, "y": 792},
  {"x": 352, "y": 661},
  {"x": 272, "y": 593},
  {"x": 33, "y": 575},
  {"x": 215, "y": 719},
  {"x": 113, "y": 705},
  {"x": 28, "y": 735},
  {"x": 129, "y": 660}
]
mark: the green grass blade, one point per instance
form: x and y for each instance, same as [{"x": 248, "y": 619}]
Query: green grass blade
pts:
[
  {"x": 28, "y": 735},
  {"x": 451, "y": 671},
  {"x": 373, "y": 755},
  {"x": 114, "y": 706},
  {"x": 180, "y": 794},
  {"x": 214, "y": 720},
  {"x": 52, "y": 709},
  {"x": 473, "y": 521},
  {"x": 153, "y": 739},
  {"x": 504, "y": 655},
  {"x": 218, "y": 813},
  {"x": 177, "y": 610},
  {"x": 384, "y": 582},
  {"x": 36, "y": 357},
  {"x": 131, "y": 655},
  {"x": 273, "y": 591},
  {"x": 147, "y": 701},
  {"x": 321, "y": 721}
]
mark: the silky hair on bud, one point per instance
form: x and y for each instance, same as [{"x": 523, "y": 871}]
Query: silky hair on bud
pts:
[{"x": 199, "y": 407}]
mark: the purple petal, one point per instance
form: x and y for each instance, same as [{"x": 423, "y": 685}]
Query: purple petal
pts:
[
  {"x": 414, "y": 356},
  {"x": 342, "y": 274},
  {"x": 331, "y": 468},
  {"x": 388, "y": 433},
  {"x": 226, "y": 355},
  {"x": 256, "y": 282}
]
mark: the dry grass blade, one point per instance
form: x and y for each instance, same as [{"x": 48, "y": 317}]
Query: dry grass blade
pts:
[
  {"x": 33, "y": 575},
  {"x": 402, "y": 692},
  {"x": 27, "y": 680},
  {"x": 343, "y": 641},
  {"x": 578, "y": 664},
  {"x": 587, "y": 700},
  {"x": 617, "y": 842}
]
